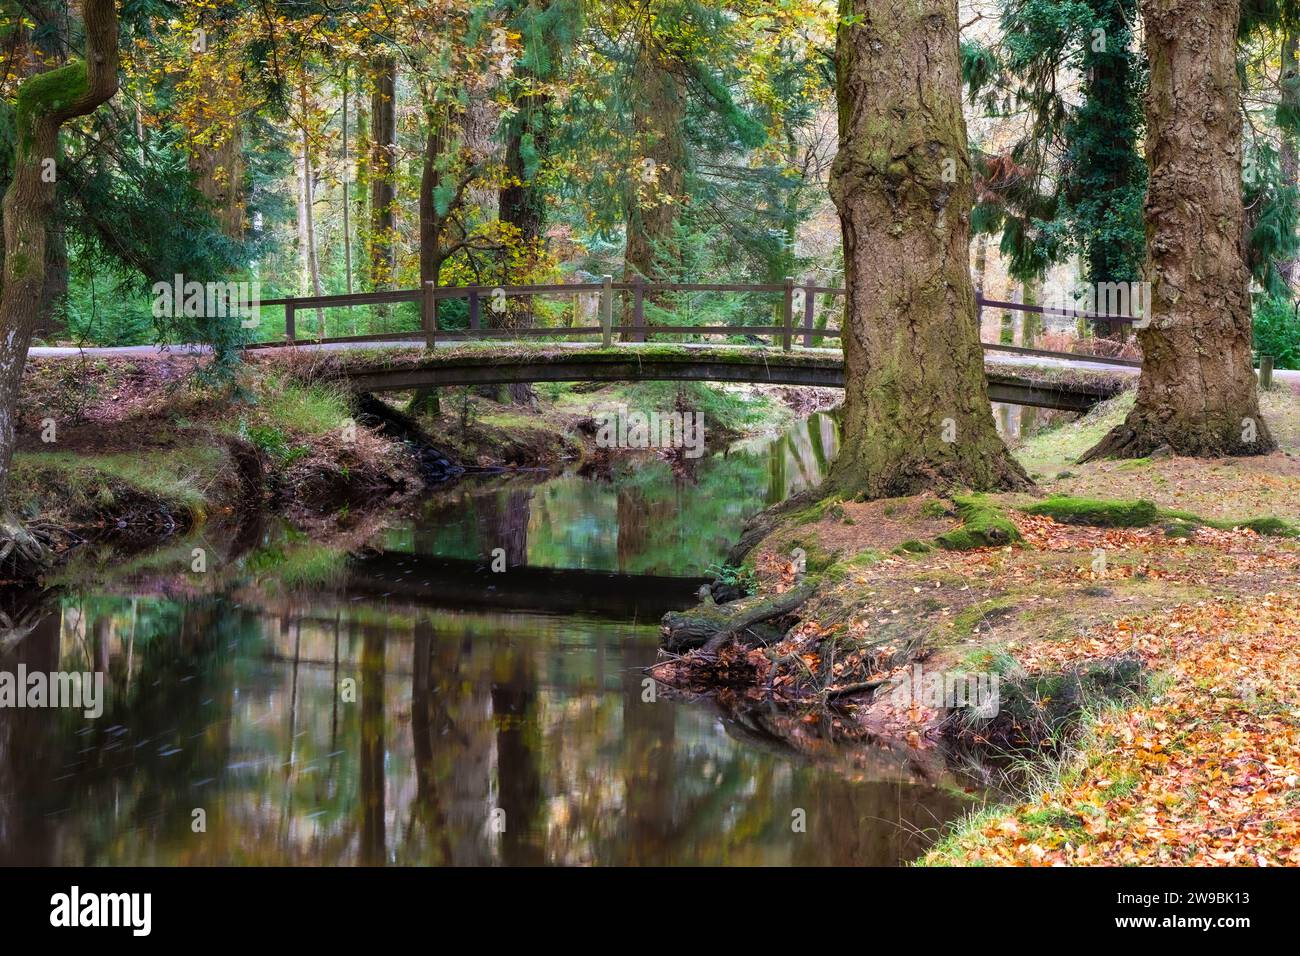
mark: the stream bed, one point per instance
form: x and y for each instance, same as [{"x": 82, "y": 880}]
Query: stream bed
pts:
[{"x": 404, "y": 704}]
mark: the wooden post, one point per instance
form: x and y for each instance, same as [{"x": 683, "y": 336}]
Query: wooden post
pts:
[
  {"x": 638, "y": 310},
  {"x": 429, "y": 314},
  {"x": 607, "y": 311},
  {"x": 809, "y": 309},
  {"x": 290, "y": 322},
  {"x": 787, "y": 325},
  {"x": 475, "y": 319},
  {"x": 1266, "y": 372}
]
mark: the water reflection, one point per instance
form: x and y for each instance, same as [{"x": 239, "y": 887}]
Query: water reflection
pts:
[{"x": 302, "y": 719}]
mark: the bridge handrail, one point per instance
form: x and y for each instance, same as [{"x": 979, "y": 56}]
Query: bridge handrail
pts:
[{"x": 431, "y": 295}]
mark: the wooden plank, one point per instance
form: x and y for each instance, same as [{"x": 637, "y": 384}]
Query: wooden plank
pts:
[
  {"x": 607, "y": 312},
  {"x": 638, "y": 310},
  {"x": 787, "y": 323},
  {"x": 1094, "y": 359},
  {"x": 358, "y": 298},
  {"x": 1043, "y": 310},
  {"x": 290, "y": 322},
  {"x": 429, "y": 315},
  {"x": 809, "y": 308}
]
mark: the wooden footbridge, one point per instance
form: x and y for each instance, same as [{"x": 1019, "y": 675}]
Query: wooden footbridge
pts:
[{"x": 506, "y": 350}]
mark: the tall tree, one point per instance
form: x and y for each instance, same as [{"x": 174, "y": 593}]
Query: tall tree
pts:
[
  {"x": 916, "y": 411},
  {"x": 382, "y": 172},
  {"x": 656, "y": 190},
  {"x": 45, "y": 103},
  {"x": 1197, "y": 393}
]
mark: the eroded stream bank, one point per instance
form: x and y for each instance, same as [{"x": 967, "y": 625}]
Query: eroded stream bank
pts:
[{"x": 514, "y": 730}]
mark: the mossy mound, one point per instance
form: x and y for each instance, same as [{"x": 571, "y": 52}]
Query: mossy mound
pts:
[
  {"x": 914, "y": 546},
  {"x": 1267, "y": 526},
  {"x": 1097, "y": 512},
  {"x": 984, "y": 525}
]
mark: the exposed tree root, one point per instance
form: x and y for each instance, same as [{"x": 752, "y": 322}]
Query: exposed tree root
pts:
[
  {"x": 23, "y": 556},
  {"x": 1138, "y": 437},
  {"x": 710, "y": 626}
]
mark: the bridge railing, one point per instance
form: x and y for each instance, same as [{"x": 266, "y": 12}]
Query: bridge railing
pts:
[{"x": 798, "y": 314}]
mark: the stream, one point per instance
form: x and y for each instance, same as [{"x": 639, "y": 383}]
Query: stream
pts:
[{"x": 404, "y": 704}]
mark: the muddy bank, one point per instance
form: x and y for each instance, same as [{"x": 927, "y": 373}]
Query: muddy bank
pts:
[{"x": 135, "y": 451}]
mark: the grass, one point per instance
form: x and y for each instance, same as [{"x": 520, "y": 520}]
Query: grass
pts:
[
  {"x": 90, "y": 483},
  {"x": 1057, "y": 449},
  {"x": 302, "y": 410}
]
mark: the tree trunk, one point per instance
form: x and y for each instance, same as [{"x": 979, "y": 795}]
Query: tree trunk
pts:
[
  {"x": 432, "y": 221},
  {"x": 522, "y": 203},
  {"x": 310, "y": 255},
  {"x": 981, "y": 270},
  {"x": 1289, "y": 158},
  {"x": 657, "y": 183},
  {"x": 347, "y": 184},
  {"x": 46, "y": 103},
  {"x": 30, "y": 48},
  {"x": 1197, "y": 393},
  {"x": 916, "y": 410},
  {"x": 383, "y": 177},
  {"x": 219, "y": 176}
]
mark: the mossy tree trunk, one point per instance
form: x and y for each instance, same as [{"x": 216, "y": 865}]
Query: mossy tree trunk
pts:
[
  {"x": 916, "y": 412},
  {"x": 45, "y": 103},
  {"x": 1197, "y": 393},
  {"x": 657, "y": 184}
]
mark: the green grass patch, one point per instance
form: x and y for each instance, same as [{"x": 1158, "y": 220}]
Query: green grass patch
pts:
[
  {"x": 1267, "y": 526},
  {"x": 1056, "y": 449},
  {"x": 295, "y": 409},
  {"x": 82, "y": 484},
  {"x": 968, "y": 620}
]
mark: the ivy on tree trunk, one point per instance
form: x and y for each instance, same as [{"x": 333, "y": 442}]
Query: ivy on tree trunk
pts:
[{"x": 45, "y": 102}]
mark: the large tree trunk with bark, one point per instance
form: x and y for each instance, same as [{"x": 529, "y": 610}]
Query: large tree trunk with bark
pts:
[
  {"x": 382, "y": 173},
  {"x": 1289, "y": 157},
  {"x": 45, "y": 103},
  {"x": 29, "y": 48},
  {"x": 916, "y": 410},
  {"x": 1197, "y": 394},
  {"x": 657, "y": 184}
]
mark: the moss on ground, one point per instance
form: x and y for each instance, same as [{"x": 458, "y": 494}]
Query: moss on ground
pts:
[
  {"x": 1104, "y": 513},
  {"x": 984, "y": 525},
  {"x": 1097, "y": 512}
]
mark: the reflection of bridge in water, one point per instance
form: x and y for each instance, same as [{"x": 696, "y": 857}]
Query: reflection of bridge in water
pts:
[{"x": 426, "y": 581}]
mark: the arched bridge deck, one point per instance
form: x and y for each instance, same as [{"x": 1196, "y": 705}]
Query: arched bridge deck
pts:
[{"x": 1065, "y": 388}]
